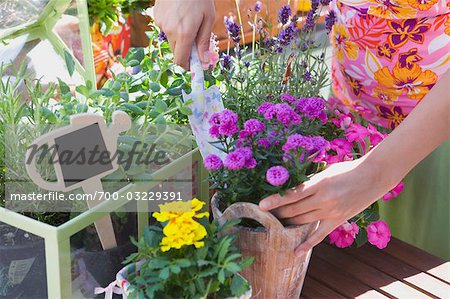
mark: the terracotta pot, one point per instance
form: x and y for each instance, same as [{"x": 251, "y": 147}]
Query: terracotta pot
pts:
[{"x": 276, "y": 272}]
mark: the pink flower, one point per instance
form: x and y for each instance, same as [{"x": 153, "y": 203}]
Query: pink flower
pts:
[
  {"x": 378, "y": 234},
  {"x": 356, "y": 132},
  {"x": 213, "y": 162},
  {"x": 254, "y": 126},
  {"x": 344, "y": 235},
  {"x": 277, "y": 175},
  {"x": 394, "y": 192},
  {"x": 288, "y": 98},
  {"x": 375, "y": 136},
  {"x": 343, "y": 150},
  {"x": 213, "y": 54}
]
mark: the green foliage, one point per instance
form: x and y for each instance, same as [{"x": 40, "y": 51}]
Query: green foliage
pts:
[
  {"x": 150, "y": 92},
  {"x": 109, "y": 12},
  {"x": 263, "y": 73},
  {"x": 207, "y": 272}
]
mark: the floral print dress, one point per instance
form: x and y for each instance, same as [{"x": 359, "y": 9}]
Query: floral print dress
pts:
[{"x": 388, "y": 54}]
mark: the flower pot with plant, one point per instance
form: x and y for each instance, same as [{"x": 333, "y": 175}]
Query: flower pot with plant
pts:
[
  {"x": 148, "y": 87},
  {"x": 185, "y": 256},
  {"x": 274, "y": 135}
]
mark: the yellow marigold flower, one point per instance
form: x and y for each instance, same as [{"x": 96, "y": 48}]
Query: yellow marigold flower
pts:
[{"x": 181, "y": 228}]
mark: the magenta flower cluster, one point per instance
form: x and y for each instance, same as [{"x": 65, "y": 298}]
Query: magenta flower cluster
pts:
[
  {"x": 282, "y": 113},
  {"x": 277, "y": 175},
  {"x": 312, "y": 108},
  {"x": 224, "y": 124},
  {"x": 239, "y": 159},
  {"x": 308, "y": 145},
  {"x": 213, "y": 162}
]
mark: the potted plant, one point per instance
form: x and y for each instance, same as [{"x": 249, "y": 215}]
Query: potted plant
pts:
[
  {"x": 111, "y": 31},
  {"x": 185, "y": 256},
  {"x": 275, "y": 134},
  {"x": 148, "y": 87}
]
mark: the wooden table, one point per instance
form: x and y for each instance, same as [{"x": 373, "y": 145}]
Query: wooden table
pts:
[{"x": 398, "y": 271}]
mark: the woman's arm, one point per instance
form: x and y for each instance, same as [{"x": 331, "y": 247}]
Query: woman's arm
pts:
[{"x": 345, "y": 189}]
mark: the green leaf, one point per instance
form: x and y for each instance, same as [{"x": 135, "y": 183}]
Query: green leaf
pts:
[
  {"x": 155, "y": 87},
  {"x": 175, "y": 269},
  {"x": 164, "y": 79},
  {"x": 184, "y": 263},
  {"x": 238, "y": 286},
  {"x": 160, "y": 106},
  {"x": 70, "y": 63},
  {"x": 133, "y": 63},
  {"x": 164, "y": 274},
  {"x": 221, "y": 276},
  {"x": 185, "y": 110},
  {"x": 153, "y": 75},
  {"x": 83, "y": 90},
  {"x": 233, "y": 267},
  {"x": 361, "y": 238},
  {"x": 134, "y": 108},
  {"x": 63, "y": 87}
]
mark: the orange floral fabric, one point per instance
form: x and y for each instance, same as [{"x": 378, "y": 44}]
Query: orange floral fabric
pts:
[{"x": 388, "y": 54}]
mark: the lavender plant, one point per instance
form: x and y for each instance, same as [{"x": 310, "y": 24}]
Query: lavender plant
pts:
[{"x": 291, "y": 61}]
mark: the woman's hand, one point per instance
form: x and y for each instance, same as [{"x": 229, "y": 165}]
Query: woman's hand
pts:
[
  {"x": 186, "y": 21},
  {"x": 331, "y": 196}
]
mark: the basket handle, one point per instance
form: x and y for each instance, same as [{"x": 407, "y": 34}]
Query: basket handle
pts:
[{"x": 247, "y": 210}]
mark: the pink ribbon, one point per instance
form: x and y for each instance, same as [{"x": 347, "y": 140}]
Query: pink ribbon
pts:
[{"x": 110, "y": 290}]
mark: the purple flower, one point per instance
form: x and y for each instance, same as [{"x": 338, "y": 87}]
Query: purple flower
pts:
[
  {"x": 284, "y": 14},
  {"x": 258, "y": 6},
  {"x": 254, "y": 126},
  {"x": 287, "y": 35},
  {"x": 213, "y": 162},
  {"x": 310, "y": 21},
  {"x": 307, "y": 76},
  {"x": 263, "y": 107},
  {"x": 233, "y": 29},
  {"x": 269, "y": 43},
  {"x": 277, "y": 175},
  {"x": 226, "y": 62},
  {"x": 325, "y": 2},
  {"x": 240, "y": 158},
  {"x": 234, "y": 161},
  {"x": 223, "y": 123},
  {"x": 263, "y": 142},
  {"x": 311, "y": 107},
  {"x": 283, "y": 113},
  {"x": 288, "y": 98},
  {"x": 162, "y": 37},
  {"x": 314, "y": 5},
  {"x": 330, "y": 19},
  {"x": 320, "y": 146},
  {"x": 214, "y": 131},
  {"x": 297, "y": 141}
]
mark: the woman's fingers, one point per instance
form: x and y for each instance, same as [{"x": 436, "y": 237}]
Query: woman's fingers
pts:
[
  {"x": 308, "y": 217},
  {"x": 182, "y": 51},
  {"x": 204, "y": 40},
  {"x": 295, "y": 194},
  {"x": 325, "y": 227},
  {"x": 296, "y": 208}
]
